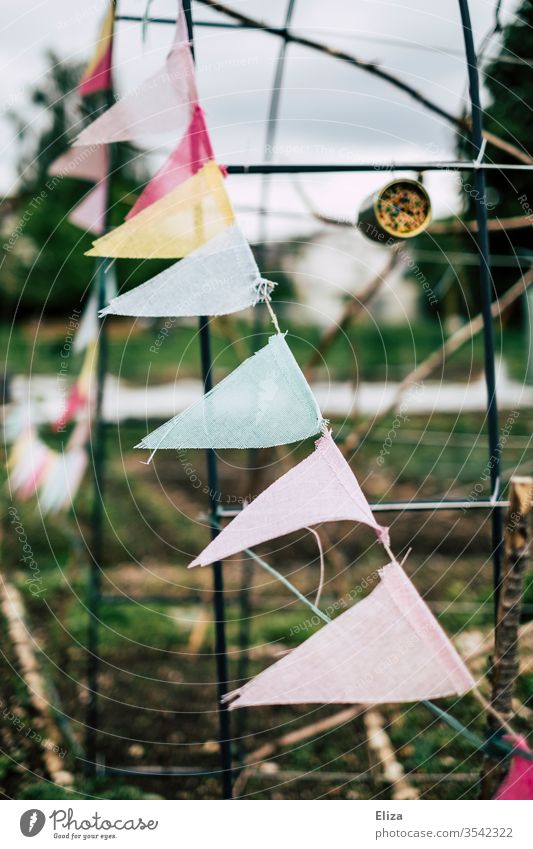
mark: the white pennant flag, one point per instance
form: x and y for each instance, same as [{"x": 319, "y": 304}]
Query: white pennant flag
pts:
[{"x": 218, "y": 278}]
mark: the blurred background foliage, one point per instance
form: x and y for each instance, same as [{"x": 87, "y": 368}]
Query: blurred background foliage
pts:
[
  {"x": 45, "y": 269},
  {"x": 507, "y": 91}
]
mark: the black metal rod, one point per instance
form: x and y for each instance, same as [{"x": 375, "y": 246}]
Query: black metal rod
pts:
[
  {"x": 97, "y": 538},
  {"x": 218, "y": 586},
  {"x": 218, "y": 577},
  {"x": 403, "y": 507},
  {"x": 97, "y": 513},
  {"x": 159, "y": 771},
  {"x": 486, "y": 286},
  {"x": 334, "y": 167},
  {"x": 139, "y": 19}
]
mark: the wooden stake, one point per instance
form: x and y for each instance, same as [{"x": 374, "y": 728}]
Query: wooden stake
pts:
[
  {"x": 383, "y": 761},
  {"x": 505, "y": 660},
  {"x": 24, "y": 648}
]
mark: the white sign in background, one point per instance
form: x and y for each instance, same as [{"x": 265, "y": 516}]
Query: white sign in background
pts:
[{"x": 253, "y": 825}]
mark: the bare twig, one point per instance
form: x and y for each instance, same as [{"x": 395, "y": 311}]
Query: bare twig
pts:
[
  {"x": 23, "y": 646},
  {"x": 292, "y": 739},
  {"x": 354, "y": 307},
  {"x": 436, "y": 359},
  {"x": 383, "y": 757},
  {"x": 514, "y": 222}
]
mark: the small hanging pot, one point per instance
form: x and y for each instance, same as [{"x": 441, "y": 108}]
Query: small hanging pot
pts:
[{"x": 400, "y": 210}]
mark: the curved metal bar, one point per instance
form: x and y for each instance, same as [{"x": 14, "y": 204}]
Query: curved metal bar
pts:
[{"x": 486, "y": 285}]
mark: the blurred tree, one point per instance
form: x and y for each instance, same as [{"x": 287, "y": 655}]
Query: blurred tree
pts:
[
  {"x": 44, "y": 267},
  {"x": 507, "y": 83}
]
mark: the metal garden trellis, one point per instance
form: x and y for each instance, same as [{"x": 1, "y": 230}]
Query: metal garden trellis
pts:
[{"x": 494, "y": 505}]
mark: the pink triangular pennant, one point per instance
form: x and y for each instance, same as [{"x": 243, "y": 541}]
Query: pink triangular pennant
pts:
[
  {"x": 97, "y": 74},
  {"x": 81, "y": 163},
  {"x": 322, "y": 488},
  {"x": 193, "y": 151},
  {"x": 518, "y": 783},
  {"x": 26, "y": 463},
  {"x": 161, "y": 104},
  {"x": 90, "y": 213},
  {"x": 386, "y": 648}
]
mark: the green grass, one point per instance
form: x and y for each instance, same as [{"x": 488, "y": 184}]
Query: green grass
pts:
[{"x": 164, "y": 352}]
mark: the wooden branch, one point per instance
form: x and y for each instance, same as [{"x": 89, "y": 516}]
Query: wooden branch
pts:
[
  {"x": 437, "y": 358},
  {"x": 514, "y": 222},
  {"x": 476, "y": 658},
  {"x": 199, "y": 628},
  {"x": 354, "y": 307},
  {"x": 508, "y": 147},
  {"x": 505, "y": 660},
  {"x": 369, "y": 67},
  {"x": 383, "y": 757},
  {"x": 291, "y": 739},
  {"x": 23, "y": 646},
  {"x": 438, "y": 228}
]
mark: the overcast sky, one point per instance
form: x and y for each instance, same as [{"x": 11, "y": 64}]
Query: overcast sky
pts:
[{"x": 329, "y": 110}]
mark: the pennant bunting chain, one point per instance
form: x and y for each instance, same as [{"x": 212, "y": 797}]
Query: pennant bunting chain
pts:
[{"x": 388, "y": 647}]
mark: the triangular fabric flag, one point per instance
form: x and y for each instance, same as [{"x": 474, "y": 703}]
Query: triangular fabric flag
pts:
[
  {"x": 87, "y": 331},
  {"x": 90, "y": 213},
  {"x": 89, "y": 326},
  {"x": 322, "y": 488},
  {"x": 193, "y": 151},
  {"x": 518, "y": 784},
  {"x": 386, "y": 648},
  {"x": 176, "y": 225},
  {"x": 62, "y": 480},
  {"x": 266, "y": 401},
  {"x": 26, "y": 464},
  {"x": 97, "y": 74},
  {"x": 161, "y": 104},
  {"x": 81, "y": 163},
  {"x": 219, "y": 278},
  {"x": 64, "y": 471},
  {"x": 81, "y": 391}
]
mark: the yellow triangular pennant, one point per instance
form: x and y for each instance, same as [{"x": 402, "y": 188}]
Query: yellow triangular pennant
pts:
[{"x": 172, "y": 227}]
